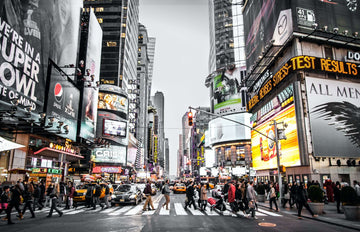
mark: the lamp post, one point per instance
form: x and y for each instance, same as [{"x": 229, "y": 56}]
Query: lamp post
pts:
[{"x": 278, "y": 159}]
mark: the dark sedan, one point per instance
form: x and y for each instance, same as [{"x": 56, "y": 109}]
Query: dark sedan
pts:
[{"x": 126, "y": 194}]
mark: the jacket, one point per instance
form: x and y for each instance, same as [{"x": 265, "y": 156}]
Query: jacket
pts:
[
  {"x": 166, "y": 189},
  {"x": 147, "y": 189},
  {"x": 203, "y": 194},
  {"x": 231, "y": 193},
  {"x": 250, "y": 193},
  {"x": 190, "y": 191}
]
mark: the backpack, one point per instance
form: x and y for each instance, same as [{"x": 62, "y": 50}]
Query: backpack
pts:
[
  {"x": 97, "y": 191},
  {"x": 107, "y": 190}
]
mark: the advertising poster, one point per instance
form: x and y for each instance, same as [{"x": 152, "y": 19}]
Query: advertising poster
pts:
[
  {"x": 228, "y": 92},
  {"x": 93, "y": 60},
  {"x": 113, "y": 154},
  {"x": 113, "y": 102},
  {"x": 334, "y": 108},
  {"x": 117, "y": 128},
  {"x": 105, "y": 122},
  {"x": 31, "y": 33},
  {"x": 62, "y": 104}
]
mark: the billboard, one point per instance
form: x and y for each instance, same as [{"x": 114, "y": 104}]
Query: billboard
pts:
[
  {"x": 334, "y": 117},
  {"x": 222, "y": 130},
  {"x": 229, "y": 96},
  {"x": 117, "y": 128},
  {"x": 113, "y": 154},
  {"x": 31, "y": 33},
  {"x": 93, "y": 33},
  {"x": 62, "y": 103},
  {"x": 113, "y": 102},
  {"x": 110, "y": 117}
]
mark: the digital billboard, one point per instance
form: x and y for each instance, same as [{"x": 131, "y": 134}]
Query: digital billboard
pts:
[
  {"x": 62, "y": 103},
  {"x": 334, "y": 117},
  {"x": 113, "y": 154},
  {"x": 31, "y": 33},
  {"x": 117, "y": 128},
  {"x": 228, "y": 94},
  {"x": 109, "y": 118},
  {"x": 93, "y": 33},
  {"x": 113, "y": 102}
]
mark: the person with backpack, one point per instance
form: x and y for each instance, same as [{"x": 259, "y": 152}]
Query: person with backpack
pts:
[
  {"x": 89, "y": 196},
  {"x": 107, "y": 196},
  {"x": 14, "y": 202},
  {"x": 54, "y": 198},
  {"x": 166, "y": 191},
  {"x": 147, "y": 192},
  {"x": 96, "y": 197},
  {"x": 4, "y": 199}
]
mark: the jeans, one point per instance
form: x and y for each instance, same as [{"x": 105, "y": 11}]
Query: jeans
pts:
[
  {"x": 54, "y": 207},
  {"x": 273, "y": 199},
  {"x": 189, "y": 202},
  {"x": 28, "y": 204}
]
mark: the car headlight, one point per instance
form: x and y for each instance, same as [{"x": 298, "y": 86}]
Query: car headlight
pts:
[
  {"x": 113, "y": 196},
  {"x": 133, "y": 197}
]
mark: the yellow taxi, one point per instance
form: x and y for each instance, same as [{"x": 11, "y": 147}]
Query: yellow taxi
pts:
[
  {"x": 82, "y": 189},
  {"x": 179, "y": 188}
]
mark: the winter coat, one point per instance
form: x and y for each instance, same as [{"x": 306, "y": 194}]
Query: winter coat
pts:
[
  {"x": 231, "y": 193},
  {"x": 203, "y": 195},
  {"x": 250, "y": 193},
  {"x": 190, "y": 191},
  {"x": 301, "y": 195}
]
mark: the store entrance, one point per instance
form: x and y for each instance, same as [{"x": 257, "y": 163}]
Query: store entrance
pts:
[{"x": 344, "y": 178}]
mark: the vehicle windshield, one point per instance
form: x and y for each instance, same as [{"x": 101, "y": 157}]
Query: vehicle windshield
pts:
[
  {"x": 85, "y": 186},
  {"x": 182, "y": 185},
  {"x": 123, "y": 188}
]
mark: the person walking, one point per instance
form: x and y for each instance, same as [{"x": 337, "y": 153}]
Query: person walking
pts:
[
  {"x": 166, "y": 192},
  {"x": 54, "y": 199},
  {"x": 14, "y": 202},
  {"x": 301, "y": 200},
  {"x": 107, "y": 196},
  {"x": 147, "y": 192},
  {"x": 4, "y": 199},
  {"x": 89, "y": 196},
  {"x": 292, "y": 188},
  {"x": 272, "y": 196},
  {"x": 97, "y": 197},
  {"x": 62, "y": 192},
  {"x": 49, "y": 191},
  {"x": 42, "y": 194},
  {"x": 203, "y": 197},
  {"x": 286, "y": 195},
  {"x": 28, "y": 199},
  {"x": 231, "y": 197},
  {"x": 337, "y": 197},
  {"x": 251, "y": 198},
  {"x": 190, "y": 192}
]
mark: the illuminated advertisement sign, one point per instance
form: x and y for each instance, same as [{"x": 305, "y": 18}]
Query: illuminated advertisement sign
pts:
[
  {"x": 62, "y": 104},
  {"x": 155, "y": 149},
  {"x": 264, "y": 150},
  {"x": 334, "y": 117},
  {"x": 31, "y": 32},
  {"x": 228, "y": 95},
  {"x": 114, "y": 102},
  {"x": 106, "y": 169},
  {"x": 304, "y": 63},
  {"x": 46, "y": 170},
  {"x": 105, "y": 121},
  {"x": 93, "y": 33},
  {"x": 117, "y": 128},
  {"x": 113, "y": 154}
]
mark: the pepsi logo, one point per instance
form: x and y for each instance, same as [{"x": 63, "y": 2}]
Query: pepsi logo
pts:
[{"x": 58, "y": 92}]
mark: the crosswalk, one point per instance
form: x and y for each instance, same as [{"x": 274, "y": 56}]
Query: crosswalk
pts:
[{"x": 175, "y": 209}]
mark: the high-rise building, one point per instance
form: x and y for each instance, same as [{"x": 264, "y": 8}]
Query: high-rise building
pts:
[
  {"x": 226, "y": 34},
  {"x": 158, "y": 101},
  {"x": 167, "y": 157},
  {"x": 151, "y": 56}
]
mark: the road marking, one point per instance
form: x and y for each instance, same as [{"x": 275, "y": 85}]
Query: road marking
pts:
[
  {"x": 269, "y": 213},
  {"x": 109, "y": 210},
  {"x": 134, "y": 210},
  {"x": 151, "y": 212},
  {"x": 74, "y": 212},
  {"x": 163, "y": 210},
  {"x": 120, "y": 211},
  {"x": 195, "y": 212},
  {"x": 179, "y": 209},
  {"x": 211, "y": 212}
]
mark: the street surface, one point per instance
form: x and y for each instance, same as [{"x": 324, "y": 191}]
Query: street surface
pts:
[{"x": 131, "y": 218}]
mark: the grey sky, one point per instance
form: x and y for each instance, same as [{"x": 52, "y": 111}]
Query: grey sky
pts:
[{"x": 181, "y": 28}]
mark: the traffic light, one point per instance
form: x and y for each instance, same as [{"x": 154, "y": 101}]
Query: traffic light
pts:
[
  {"x": 190, "y": 118},
  {"x": 282, "y": 169}
]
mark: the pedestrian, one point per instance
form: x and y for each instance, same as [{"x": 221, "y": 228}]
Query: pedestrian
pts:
[
  {"x": 166, "y": 192},
  {"x": 286, "y": 195},
  {"x": 49, "y": 191},
  {"x": 231, "y": 197},
  {"x": 62, "y": 192},
  {"x": 272, "y": 197},
  {"x": 96, "y": 196},
  {"x": 14, "y": 202},
  {"x": 337, "y": 196},
  {"x": 71, "y": 195},
  {"x": 292, "y": 188},
  {"x": 203, "y": 197},
  {"x": 147, "y": 192},
  {"x": 89, "y": 196},
  {"x": 225, "y": 190},
  {"x": 239, "y": 197},
  {"x": 67, "y": 193},
  {"x": 107, "y": 196},
  {"x": 4, "y": 198},
  {"x": 301, "y": 200},
  {"x": 190, "y": 192},
  {"x": 357, "y": 188},
  {"x": 54, "y": 199},
  {"x": 42, "y": 194},
  {"x": 251, "y": 198},
  {"x": 28, "y": 199}
]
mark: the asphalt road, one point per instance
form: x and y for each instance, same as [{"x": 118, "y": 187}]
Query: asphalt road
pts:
[{"x": 132, "y": 218}]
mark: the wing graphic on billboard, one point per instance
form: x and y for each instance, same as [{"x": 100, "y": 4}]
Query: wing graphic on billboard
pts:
[{"x": 344, "y": 116}]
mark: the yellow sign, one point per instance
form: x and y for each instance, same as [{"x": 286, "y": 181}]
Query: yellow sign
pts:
[{"x": 264, "y": 149}]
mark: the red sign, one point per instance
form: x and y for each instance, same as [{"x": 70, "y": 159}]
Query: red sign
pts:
[{"x": 106, "y": 169}]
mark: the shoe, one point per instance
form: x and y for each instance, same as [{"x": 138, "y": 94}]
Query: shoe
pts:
[
  {"x": 61, "y": 213},
  {"x": 20, "y": 216},
  {"x": 233, "y": 215},
  {"x": 144, "y": 210}
]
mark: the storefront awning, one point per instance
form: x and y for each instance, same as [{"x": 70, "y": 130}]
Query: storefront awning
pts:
[
  {"x": 6, "y": 145},
  {"x": 50, "y": 152}
]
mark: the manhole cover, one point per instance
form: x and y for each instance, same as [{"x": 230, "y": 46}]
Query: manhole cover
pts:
[{"x": 267, "y": 224}]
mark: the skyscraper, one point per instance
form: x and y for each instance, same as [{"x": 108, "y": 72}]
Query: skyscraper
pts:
[{"x": 158, "y": 101}]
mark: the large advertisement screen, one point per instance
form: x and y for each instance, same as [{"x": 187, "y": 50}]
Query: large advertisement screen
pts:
[
  {"x": 106, "y": 122},
  {"x": 93, "y": 59},
  {"x": 62, "y": 104},
  {"x": 264, "y": 150},
  {"x": 334, "y": 108},
  {"x": 228, "y": 94},
  {"x": 117, "y": 128},
  {"x": 113, "y": 154},
  {"x": 31, "y": 32},
  {"x": 113, "y": 102}
]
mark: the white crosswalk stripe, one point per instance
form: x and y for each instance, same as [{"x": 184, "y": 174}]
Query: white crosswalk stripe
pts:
[
  {"x": 120, "y": 211},
  {"x": 179, "y": 209},
  {"x": 135, "y": 210},
  {"x": 269, "y": 213},
  {"x": 74, "y": 212},
  {"x": 195, "y": 212},
  {"x": 109, "y": 210},
  {"x": 163, "y": 210},
  {"x": 211, "y": 212},
  {"x": 151, "y": 212}
]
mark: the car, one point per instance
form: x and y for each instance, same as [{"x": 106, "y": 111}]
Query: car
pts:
[
  {"x": 179, "y": 188},
  {"x": 141, "y": 187},
  {"x": 82, "y": 189},
  {"x": 126, "y": 194}
]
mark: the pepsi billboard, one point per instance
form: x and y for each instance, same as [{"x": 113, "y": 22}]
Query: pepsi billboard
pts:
[
  {"x": 62, "y": 104},
  {"x": 31, "y": 32}
]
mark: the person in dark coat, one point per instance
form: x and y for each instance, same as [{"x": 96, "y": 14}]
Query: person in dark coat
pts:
[
  {"x": 301, "y": 200},
  {"x": 14, "y": 202},
  {"x": 37, "y": 201},
  {"x": 337, "y": 191},
  {"x": 190, "y": 196},
  {"x": 28, "y": 199},
  {"x": 54, "y": 199},
  {"x": 5, "y": 198},
  {"x": 42, "y": 194}
]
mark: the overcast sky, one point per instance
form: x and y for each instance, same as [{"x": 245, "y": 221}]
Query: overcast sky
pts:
[{"x": 181, "y": 29}]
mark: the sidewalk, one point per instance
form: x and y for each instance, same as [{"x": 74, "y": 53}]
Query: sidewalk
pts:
[{"x": 331, "y": 216}]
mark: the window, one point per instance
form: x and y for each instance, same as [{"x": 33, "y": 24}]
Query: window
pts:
[
  {"x": 99, "y": 9},
  {"x": 123, "y": 35},
  {"x": 111, "y": 44},
  {"x": 100, "y": 20},
  {"x": 123, "y": 25}
]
